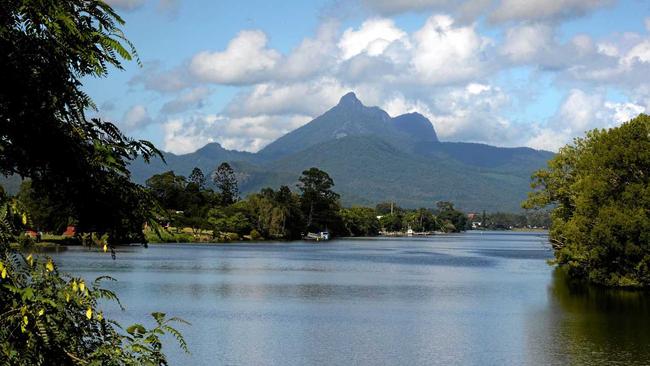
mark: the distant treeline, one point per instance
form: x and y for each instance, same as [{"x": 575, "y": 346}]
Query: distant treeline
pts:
[
  {"x": 213, "y": 210},
  {"x": 539, "y": 219}
]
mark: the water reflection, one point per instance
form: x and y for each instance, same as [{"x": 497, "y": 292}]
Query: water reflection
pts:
[
  {"x": 595, "y": 325},
  {"x": 478, "y": 299}
]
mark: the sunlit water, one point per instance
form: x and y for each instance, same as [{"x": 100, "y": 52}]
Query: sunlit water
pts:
[{"x": 478, "y": 298}]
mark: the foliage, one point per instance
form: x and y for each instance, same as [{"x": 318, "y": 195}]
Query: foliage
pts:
[
  {"x": 599, "y": 191},
  {"x": 225, "y": 180},
  {"x": 49, "y": 318},
  {"x": 319, "y": 203},
  {"x": 360, "y": 221},
  {"x": 197, "y": 177},
  {"x": 47, "y": 48},
  {"x": 451, "y": 219},
  {"x": 43, "y": 213}
]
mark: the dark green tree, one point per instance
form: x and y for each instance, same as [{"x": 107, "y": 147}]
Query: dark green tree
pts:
[
  {"x": 49, "y": 318},
  {"x": 198, "y": 178},
  {"x": 225, "y": 180},
  {"x": 360, "y": 221},
  {"x": 43, "y": 214},
  {"x": 598, "y": 189},
  {"x": 169, "y": 189},
  {"x": 47, "y": 48},
  {"x": 319, "y": 203},
  {"x": 450, "y": 219}
]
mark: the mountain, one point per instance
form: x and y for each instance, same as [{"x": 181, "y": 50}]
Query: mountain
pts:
[
  {"x": 206, "y": 158},
  {"x": 373, "y": 158}
]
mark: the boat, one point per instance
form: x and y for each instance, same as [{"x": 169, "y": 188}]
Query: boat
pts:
[{"x": 320, "y": 236}]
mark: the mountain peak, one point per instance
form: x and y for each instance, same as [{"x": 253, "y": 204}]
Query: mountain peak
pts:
[
  {"x": 350, "y": 99},
  {"x": 417, "y": 126}
]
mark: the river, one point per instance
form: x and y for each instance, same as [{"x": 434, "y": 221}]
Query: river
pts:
[{"x": 477, "y": 298}]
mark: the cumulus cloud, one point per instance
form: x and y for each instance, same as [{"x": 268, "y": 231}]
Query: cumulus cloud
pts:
[
  {"x": 446, "y": 70},
  {"x": 135, "y": 118},
  {"x": 306, "y": 98},
  {"x": 372, "y": 37},
  {"x": 245, "y": 60},
  {"x": 527, "y": 10},
  {"x": 444, "y": 53},
  {"x": 578, "y": 113},
  {"x": 244, "y": 134},
  {"x": 313, "y": 56},
  {"x": 193, "y": 99},
  {"x": 497, "y": 10},
  {"x": 154, "y": 77},
  {"x": 525, "y": 43}
]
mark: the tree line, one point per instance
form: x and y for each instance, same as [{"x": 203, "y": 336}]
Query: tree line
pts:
[{"x": 214, "y": 204}]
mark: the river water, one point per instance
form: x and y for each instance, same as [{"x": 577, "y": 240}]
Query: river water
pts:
[{"x": 477, "y": 298}]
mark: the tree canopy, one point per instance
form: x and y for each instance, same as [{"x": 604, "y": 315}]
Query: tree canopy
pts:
[
  {"x": 47, "y": 47},
  {"x": 49, "y": 318},
  {"x": 599, "y": 191}
]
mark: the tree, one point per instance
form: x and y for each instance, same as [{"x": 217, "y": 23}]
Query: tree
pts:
[
  {"x": 197, "y": 178},
  {"x": 360, "y": 221},
  {"x": 169, "y": 189},
  {"x": 42, "y": 213},
  {"x": 226, "y": 181},
  {"x": 47, "y": 317},
  {"x": 319, "y": 203},
  {"x": 47, "y": 48},
  {"x": 451, "y": 219},
  {"x": 599, "y": 193}
]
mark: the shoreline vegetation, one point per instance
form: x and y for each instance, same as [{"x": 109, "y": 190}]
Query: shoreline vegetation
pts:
[{"x": 192, "y": 210}]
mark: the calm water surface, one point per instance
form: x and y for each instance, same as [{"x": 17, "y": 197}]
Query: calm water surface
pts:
[{"x": 466, "y": 299}]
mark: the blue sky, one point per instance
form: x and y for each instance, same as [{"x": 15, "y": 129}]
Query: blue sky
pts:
[{"x": 505, "y": 72}]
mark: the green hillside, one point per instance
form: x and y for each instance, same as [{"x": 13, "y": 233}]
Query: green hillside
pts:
[{"x": 373, "y": 158}]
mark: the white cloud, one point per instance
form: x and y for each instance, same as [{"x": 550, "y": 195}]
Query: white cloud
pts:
[
  {"x": 498, "y": 10},
  {"x": 246, "y": 60},
  {"x": 313, "y": 56},
  {"x": 445, "y": 70},
  {"x": 578, "y": 113},
  {"x": 154, "y": 78},
  {"x": 402, "y": 6},
  {"x": 244, "y": 134},
  {"x": 372, "y": 37},
  {"x": 136, "y": 117},
  {"x": 527, "y": 10},
  {"x": 524, "y": 43},
  {"x": 307, "y": 98},
  {"x": 192, "y": 99},
  {"x": 469, "y": 113},
  {"x": 444, "y": 53}
]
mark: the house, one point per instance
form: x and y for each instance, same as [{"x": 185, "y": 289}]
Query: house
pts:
[{"x": 70, "y": 231}]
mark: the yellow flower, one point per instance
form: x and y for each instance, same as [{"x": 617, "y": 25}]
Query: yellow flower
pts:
[
  {"x": 24, "y": 219},
  {"x": 41, "y": 312},
  {"x": 49, "y": 266},
  {"x": 105, "y": 248},
  {"x": 74, "y": 286},
  {"x": 67, "y": 297},
  {"x": 82, "y": 286},
  {"x": 25, "y": 320},
  {"x": 30, "y": 259},
  {"x": 4, "y": 273},
  {"x": 100, "y": 317},
  {"x": 89, "y": 313}
]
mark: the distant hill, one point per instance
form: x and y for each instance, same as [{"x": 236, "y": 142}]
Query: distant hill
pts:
[{"x": 372, "y": 158}]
